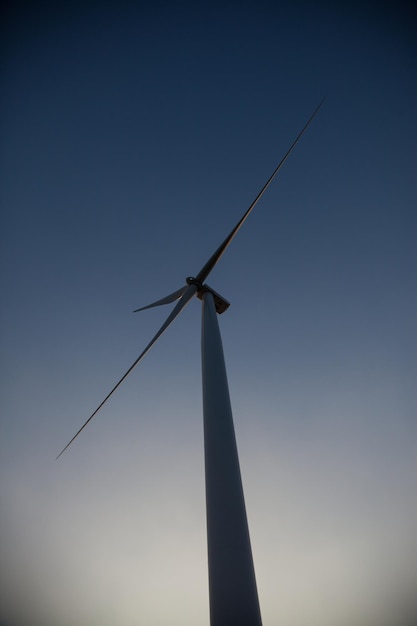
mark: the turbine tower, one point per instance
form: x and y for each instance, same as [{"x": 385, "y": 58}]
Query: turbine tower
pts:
[{"x": 233, "y": 595}]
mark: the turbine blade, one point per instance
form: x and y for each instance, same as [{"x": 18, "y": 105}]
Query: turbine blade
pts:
[
  {"x": 186, "y": 297},
  {"x": 171, "y": 298},
  {"x": 206, "y": 269}
]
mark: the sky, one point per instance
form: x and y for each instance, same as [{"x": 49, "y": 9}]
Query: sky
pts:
[{"x": 134, "y": 136}]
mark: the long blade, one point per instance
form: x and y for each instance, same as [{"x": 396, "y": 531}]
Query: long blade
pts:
[
  {"x": 167, "y": 300},
  {"x": 205, "y": 271},
  {"x": 190, "y": 291}
]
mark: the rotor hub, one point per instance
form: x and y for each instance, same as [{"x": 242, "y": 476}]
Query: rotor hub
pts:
[{"x": 190, "y": 280}]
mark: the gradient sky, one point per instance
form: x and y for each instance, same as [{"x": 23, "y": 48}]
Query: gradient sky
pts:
[{"x": 134, "y": 135}]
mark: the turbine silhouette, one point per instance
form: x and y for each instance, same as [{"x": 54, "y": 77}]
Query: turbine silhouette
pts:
[{"x": 232, "y": 585}]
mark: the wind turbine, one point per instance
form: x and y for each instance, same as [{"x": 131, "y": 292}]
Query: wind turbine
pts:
[{"x": 233, "y": 593}]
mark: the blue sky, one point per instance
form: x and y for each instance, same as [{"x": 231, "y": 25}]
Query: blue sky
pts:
[{"x": 134, "y": 137}]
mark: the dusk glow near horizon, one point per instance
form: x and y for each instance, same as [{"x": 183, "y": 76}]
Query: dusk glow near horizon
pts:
[{"x": 134, "y": 137}]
